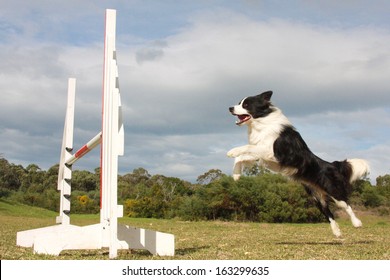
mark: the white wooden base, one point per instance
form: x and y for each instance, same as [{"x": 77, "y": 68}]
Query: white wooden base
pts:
[{"x": 54, "y": 239}]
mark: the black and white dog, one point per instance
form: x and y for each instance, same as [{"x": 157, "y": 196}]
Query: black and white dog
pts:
[{"x": 274, "y": 143}]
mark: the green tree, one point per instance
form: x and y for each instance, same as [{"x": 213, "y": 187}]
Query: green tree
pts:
[
  {"x": 255, "y": 170},
  {"x": 11, "y": 175},
  {"x": 383, "y": 185},
  {"x": 371, "y": 197},
  {"x": 209, "y": 177},
  {"x": 84, "y": 181}
]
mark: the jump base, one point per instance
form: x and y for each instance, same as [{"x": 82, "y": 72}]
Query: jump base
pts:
[{"x": 53, "y": 240}]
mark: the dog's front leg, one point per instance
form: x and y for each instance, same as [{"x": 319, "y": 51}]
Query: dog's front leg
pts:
[
  {"x": 252, "y": 152},
  {"x": 237, "y": 168},
  {"x": 238, "y": 151},
  {"x": 240, "y": 162}
]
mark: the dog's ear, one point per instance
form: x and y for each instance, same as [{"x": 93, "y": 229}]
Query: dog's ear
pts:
[{"x": 266, "y": 95}]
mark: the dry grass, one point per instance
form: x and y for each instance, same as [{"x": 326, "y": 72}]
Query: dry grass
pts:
[{"x": 216, "y": 240}]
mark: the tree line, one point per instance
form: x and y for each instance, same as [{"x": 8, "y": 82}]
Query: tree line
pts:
[{"x": 260, "y": 196}]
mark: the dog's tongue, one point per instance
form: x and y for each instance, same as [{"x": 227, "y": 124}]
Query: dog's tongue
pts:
[{"x": 242, "y": 118}]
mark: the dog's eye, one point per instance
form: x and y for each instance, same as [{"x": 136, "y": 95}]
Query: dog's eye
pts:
[{"x": 245, "y": 105}]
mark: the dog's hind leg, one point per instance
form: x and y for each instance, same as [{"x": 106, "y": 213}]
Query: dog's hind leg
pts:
[
  {"x": 335, "y": 227},
  {"x": 324, "y": 207},
  {"x": 342, "y": 204},
  {"x": 322, "y": 201}
]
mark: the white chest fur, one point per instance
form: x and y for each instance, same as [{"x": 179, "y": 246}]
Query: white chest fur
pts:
[{"x": 262, "y": 133}]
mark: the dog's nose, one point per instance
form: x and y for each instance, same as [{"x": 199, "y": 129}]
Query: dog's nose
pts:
[{"x": 231, "y": 109}]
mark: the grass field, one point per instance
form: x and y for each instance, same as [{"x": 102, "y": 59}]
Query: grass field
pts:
[{"x": 205, "y": 240}]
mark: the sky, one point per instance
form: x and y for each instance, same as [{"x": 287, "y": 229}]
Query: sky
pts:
[{"x": 182, "y": 64}]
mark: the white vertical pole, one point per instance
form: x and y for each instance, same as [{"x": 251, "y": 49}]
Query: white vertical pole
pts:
[
  {"x": 65, "y": 171},
  {"x": 111, "y": 144}
]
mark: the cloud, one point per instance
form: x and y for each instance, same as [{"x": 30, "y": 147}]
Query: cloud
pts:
[
  {"x": 329, "y": 73},
  {"x": 216, "y": 62},
  {"x": 323, "y": 67},
  {"x": 155, "y": 51}
]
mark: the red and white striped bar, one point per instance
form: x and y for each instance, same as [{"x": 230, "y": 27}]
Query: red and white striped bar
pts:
[{"x": 85, "y": 149}]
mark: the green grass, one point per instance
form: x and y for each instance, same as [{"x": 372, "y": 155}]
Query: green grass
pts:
[{"x": 214, "y": 239}]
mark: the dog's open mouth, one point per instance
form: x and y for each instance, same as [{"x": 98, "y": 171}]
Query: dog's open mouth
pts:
[{"x": 242, "y": 119}]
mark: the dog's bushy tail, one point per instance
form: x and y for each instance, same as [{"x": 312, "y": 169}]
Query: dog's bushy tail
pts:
[
  {"x": 360, "y": 168},
  {"x": 352, "y": 169}
]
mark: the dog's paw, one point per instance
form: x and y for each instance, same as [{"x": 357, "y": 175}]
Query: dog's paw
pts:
[
  {"x": 236, "y": 177},
  {"x": 235, "y": 152},
  {"x": 356, "y": 222}
]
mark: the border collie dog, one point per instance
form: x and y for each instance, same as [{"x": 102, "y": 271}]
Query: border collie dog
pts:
[{"x": 275, "y": 144}]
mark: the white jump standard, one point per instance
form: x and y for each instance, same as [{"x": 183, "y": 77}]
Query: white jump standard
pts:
[{"x": 108, "y": 233}]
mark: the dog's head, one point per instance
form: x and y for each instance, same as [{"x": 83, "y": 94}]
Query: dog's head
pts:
[{"x": 252, "y": 107}]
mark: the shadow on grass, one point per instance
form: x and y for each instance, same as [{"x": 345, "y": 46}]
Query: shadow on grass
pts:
[
  {"x": 84, "y": 253},
  {"x": 333, "y": 243},
  {"x": 186, "y": 251},
  {"x": 178, "y": 252},
  {"x": 99, "y": 253}
]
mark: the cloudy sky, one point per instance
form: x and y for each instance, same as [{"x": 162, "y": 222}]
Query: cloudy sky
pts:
[{"x": 182, "y": 64}]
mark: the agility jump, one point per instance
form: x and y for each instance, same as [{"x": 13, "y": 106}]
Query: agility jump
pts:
[{"x": 108, "y": 233}]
